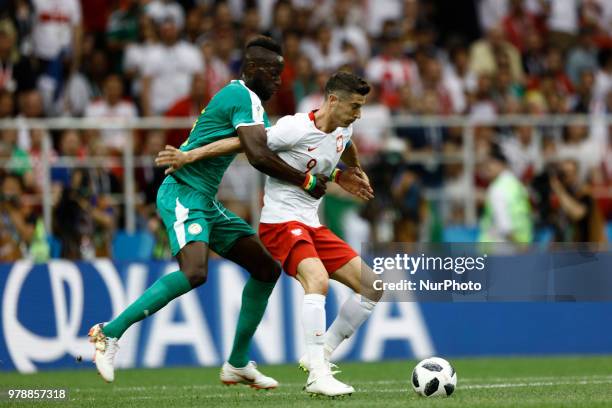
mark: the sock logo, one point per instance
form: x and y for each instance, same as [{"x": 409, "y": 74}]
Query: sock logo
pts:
[{"x": 296, "y": 231}]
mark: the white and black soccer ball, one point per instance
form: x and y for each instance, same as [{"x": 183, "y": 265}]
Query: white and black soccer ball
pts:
[{"x": 434, "y": 377}]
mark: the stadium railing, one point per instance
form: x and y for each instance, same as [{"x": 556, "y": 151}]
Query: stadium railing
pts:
[{"x": 130, "y": 162}]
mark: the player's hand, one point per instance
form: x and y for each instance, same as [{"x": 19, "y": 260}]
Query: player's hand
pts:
[
  {"x": 319, "y": 190},
  {"x": 356, "y": 182},
  {"x": 171, "y": 157}
]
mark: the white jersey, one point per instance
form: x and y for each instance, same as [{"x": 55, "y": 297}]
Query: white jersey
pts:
[{"x": 301, "y": 145}]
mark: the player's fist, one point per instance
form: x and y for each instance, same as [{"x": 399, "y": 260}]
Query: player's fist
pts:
[{"x": 320, "y": 187}]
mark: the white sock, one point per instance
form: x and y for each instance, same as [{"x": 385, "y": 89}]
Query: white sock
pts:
[
  {"x": 313, "y": 319},
  {"x": 353, "y": 313}
]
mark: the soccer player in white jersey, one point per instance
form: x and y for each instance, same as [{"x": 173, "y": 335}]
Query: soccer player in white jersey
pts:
[{"x": 290, "y": 229}]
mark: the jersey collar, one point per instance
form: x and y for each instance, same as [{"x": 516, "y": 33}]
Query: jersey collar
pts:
[{"x": 311, "y": 116}]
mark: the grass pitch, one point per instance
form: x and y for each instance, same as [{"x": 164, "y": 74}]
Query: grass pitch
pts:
[{"x": 490, "y": 383}]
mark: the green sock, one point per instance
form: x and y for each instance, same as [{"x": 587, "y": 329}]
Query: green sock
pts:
[
  {"x": 157, "y": 296},
  {"x": 254, "y": 301}
]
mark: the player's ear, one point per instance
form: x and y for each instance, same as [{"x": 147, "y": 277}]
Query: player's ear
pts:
[{"x": 333, "y": 98}]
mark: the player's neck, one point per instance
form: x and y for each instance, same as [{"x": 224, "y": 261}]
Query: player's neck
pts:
[{"x": 324, "y": 121}]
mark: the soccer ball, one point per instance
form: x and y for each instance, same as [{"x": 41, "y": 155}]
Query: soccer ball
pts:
[{"x": 434, "y": 377}]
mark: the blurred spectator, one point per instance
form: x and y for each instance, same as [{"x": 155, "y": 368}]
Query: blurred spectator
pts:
[
  {"x": 555, "y": 71},
  {"x": 30, "y": 107},
  {"x": 483, "y": 54},
  {"x": 83, "y": 222},
  {"x": 148, "y": 175},
  {"x": 372, "y": 131},
  {"x": 189, "y": 107},
  {"x": 482, "y": 107},
  {"x": 458, "y": 78},
  {"x": 122, "y": 30},
  {"x": 522, "y": 150},
  {"x": 251, "y": 24},
  {"x": 562, "y": 21},
  {"x": 167, "y": 70},
  {"x": 95, "y": 16},
  {"x": 533, "y": 56},
  {"x": 325, "y": 54},
  {"x": 491, "y": 12},
  {"x": 603, "y": 77},
  {"x": 135, "y": 52},
  {"x": 17, "y": 221},
  {"x": 216, "y": 72},
  {"x": 162, "y": 10},
  {"x": 582, "y": 57},
  {"x": 377, "y": 12},
  {"x": 582, "y": 101},
  {"x": 597, "y": 15},
  {"x": 507, "y": 212},
  {"x": 410, "y": 206},
  {"x": 112, "y": 106},
  {"x": 432, "y": 81},
  {"x": 72, "y": 149},
  {"x": 305, "y": 82},
  {"x": 579, "y": 144},
  {"x": 347, "y": 26},
  {"x": 283, "y": 19},
  {"x": 283, "y": 102},
  {"x": 36, "y": 156},
  {"x": 16, "y": 72},
  {"x": 314, "y": 99},
  {"x": 18, "y": 159},
  {"x": 56, "y": 34},
  {"x": 577, "y": 217},
  {"x": 7, "y": 104},
  {"x": 391, "y": 70},
  {"x": 601, "y": 178},
  {"x": 518, "y": 22}
]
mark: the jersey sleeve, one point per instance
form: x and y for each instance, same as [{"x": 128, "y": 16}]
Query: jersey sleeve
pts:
[
  {"x": 283, "y": 135},
  {"x": 246, "y": 108}
]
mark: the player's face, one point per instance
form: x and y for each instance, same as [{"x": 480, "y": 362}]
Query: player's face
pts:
[
  {"x": 266, "y": 78},
  {"x": 347, "y": 108}
]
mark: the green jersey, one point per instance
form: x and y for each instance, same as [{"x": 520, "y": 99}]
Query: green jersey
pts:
[{"x": 233, "y": 106}]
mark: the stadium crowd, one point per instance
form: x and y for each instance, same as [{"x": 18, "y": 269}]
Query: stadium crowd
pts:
[{"x": 139, "y": 58}]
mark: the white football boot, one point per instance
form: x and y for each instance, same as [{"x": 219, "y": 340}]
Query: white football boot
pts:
[
  {"x": 104, "y": 356},
  {"x": 322, "y": 382},
  {"x": 248, "y": 375}
]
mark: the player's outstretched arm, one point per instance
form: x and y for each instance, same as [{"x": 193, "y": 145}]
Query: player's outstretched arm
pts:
[
  {"x": 254, "y": 143},
  {"x": 175, "y": 158}
]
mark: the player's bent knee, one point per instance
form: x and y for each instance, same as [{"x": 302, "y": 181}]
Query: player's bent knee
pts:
[
  {"x": 197, "y": 280},
  {"x": 316, "y": 283},
  {"x": 196, "y": 274}
]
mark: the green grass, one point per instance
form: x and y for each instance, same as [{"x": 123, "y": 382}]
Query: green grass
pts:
[{"x": 509, "y": 382}]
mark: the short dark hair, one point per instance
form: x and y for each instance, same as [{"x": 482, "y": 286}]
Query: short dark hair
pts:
[
  {"x": 346, "y": 82},
  {"x": 265, "y": 42}
]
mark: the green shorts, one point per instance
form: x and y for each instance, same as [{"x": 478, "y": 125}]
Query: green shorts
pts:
[{"x": 191, "y": 216}]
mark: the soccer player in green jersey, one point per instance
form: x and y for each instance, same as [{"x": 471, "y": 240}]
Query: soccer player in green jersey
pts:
[{"x": 196, "y": 221}]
